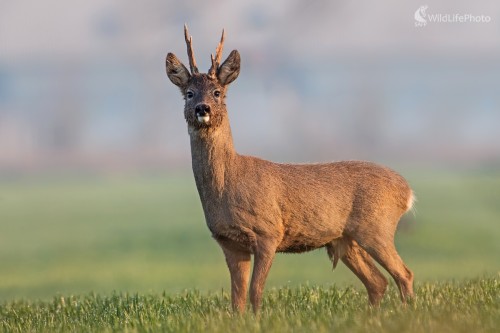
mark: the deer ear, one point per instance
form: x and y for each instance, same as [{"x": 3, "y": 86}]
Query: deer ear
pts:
[
  {"x": 176, "y": 71},
  {"x": 229, "y": 70}
]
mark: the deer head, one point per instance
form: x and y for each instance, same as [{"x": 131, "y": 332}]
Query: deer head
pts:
[{"x": 204, "y": 94}]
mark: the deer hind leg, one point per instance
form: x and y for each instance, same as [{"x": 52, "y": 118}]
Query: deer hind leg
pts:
[
  {"x": 361, "y": 264},
  {"x": 384, "y": 252}
]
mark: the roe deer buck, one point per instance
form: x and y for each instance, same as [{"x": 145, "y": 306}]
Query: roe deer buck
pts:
[{"x": 256, "y": 207}]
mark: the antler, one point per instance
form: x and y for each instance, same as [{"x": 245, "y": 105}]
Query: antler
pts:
[
  {"x": 189, "y": 43},
  {"x": 218, "y": 56}
]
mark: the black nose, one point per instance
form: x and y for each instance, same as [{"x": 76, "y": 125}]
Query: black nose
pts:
[{"x": 202, "y": 109}]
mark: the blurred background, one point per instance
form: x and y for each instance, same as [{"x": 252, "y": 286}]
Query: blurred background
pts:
[{"x": 95, "y": 186}]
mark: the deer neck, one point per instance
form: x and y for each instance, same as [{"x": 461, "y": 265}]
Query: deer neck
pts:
[{"x": 213, "y": 158}]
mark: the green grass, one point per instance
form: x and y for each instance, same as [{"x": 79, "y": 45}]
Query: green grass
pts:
[
  {"x": 146, "y": 235},
  {"x": 472, "y": 306}
]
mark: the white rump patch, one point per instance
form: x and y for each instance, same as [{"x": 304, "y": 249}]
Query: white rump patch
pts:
[{"x": 411, "y": 201}]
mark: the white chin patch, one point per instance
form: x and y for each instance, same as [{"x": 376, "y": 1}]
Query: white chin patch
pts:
[{"x": 203, "y": 119}]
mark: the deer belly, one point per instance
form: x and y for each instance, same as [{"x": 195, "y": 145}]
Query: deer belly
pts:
[
  {"x": 302, "y": 241},
  {"x": 311, "y": 229}
]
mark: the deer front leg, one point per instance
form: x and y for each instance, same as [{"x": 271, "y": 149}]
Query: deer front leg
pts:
[
  {"x": 238, "y": 263},
  {"x": 263, "y": 259}
]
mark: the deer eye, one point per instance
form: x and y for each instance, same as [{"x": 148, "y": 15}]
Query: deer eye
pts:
[
  {"x": 189, "y": 94},
  {"x": 217, "y": 93}
]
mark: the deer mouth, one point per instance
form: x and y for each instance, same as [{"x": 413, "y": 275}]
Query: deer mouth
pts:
[{"x": 203, "y": 119}]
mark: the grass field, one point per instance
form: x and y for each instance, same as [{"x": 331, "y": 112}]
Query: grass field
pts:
[
  {"x": 146, "y": 235},
  {"x": 472, "y": 306}
]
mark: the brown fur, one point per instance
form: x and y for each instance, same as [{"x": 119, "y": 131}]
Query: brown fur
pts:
[{"x": 256, "y": 207}]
